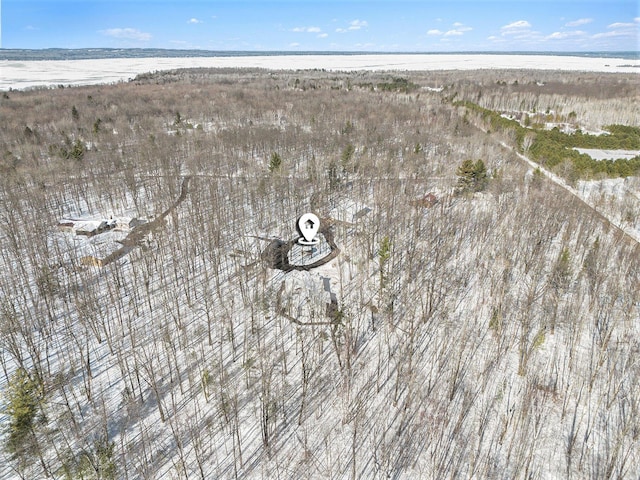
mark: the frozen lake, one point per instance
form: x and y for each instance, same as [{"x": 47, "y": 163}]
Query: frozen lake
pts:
[{"x": 29, "y": 74}]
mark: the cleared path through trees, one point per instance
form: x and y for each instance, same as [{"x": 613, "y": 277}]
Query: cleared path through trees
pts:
[{"x": 633, "y": 235}]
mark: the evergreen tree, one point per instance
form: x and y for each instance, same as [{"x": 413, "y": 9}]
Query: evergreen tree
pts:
[
  {"x": 347, "y": 155},
  {"x": 23, "y": 397},
  {"x": 472, "y": 176},
  {"x": 480, "y": 176},
  {"x": 384, "y": 254},
  {"x": 78, "y": 150},
  {"x": 275, "y": 162}
]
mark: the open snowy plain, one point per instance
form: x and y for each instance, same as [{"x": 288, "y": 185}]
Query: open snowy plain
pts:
[{"x": 27, "y": 74}]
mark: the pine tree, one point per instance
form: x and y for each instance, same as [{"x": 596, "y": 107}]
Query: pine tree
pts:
[
  {"x": 78, "y": 150},
  {"x": 23, "y": 397},
  {"x": 347, "y": 155},
  {"x": 384, "y": 254},
  {"x": 275, "y": 162},
  {"x": 480, "y": 178},
  {"x": 465, "y": 176},
  {"x": 472, "y": 176}
]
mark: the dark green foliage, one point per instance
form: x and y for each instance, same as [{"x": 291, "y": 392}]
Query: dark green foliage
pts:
[
  {"x": 95, "y": 463},
  {"x": 552, "y": 148},
  {"x": 275, "y": 162},
  {"x": 96, "y": 125},
  {"x": 398, "y": 84},
  {"x": 69, "y": 150},
  {"x": 77, "y": 151},
  {"x": 347, "y": 155},
  {"x": 23, "y": 397},
  {"x": 472, "y": 176},
  {"x": 75, "y": 115},
  {"x": 384, "y": 254}
]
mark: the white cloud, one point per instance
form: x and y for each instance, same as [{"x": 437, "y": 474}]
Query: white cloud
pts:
[
  {"x": 353, "y": 25},
  {"x": 620, "y": 29},
  {"x": 294, "y": 45},
  {"x": 614, "y": 33},
  {"x": 458, "y": 30},
  {"x": 577, "y": 23},
  {"x": 515, "y": 27},
  {"x": 127, "y": 34},
  {"x": 307, "y": 29},
  {"x": 323, "y": 35},
  {"x": 454, "y": 32},
  {"x": 621, "y": 25},
  {"x": 358, "y": 24},
  {"x": 194, "y": 21},
  {"x": 563, "y": 35}
]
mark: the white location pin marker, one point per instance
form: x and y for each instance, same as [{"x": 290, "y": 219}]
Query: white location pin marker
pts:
[{"x": 308, "y": 224}]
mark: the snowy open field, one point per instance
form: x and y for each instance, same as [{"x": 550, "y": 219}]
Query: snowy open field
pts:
[
  {"x": 27, "y": 74},
  {"x": 600, "y": 154}
]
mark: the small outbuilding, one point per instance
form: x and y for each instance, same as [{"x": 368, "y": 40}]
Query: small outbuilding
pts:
[{"x": 428, "y": 201}]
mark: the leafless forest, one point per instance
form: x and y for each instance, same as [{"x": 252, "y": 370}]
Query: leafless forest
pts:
[{"x": 482, "y": 335}]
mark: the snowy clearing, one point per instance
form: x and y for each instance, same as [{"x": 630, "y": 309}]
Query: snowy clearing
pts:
[{"x": 600, "y": 154}]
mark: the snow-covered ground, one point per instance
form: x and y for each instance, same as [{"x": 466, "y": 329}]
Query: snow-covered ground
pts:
[
  {"x": 617, "y": 198},
  {"x": 27, "y": 74},
  {"x": 199, "y": 362},
  {"x": 600, "y": 154}
]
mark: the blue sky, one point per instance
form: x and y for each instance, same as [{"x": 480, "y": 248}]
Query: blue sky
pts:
[{"x": 329, "y": 25}]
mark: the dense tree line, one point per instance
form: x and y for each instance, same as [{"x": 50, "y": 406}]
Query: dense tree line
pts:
[{"x": 553, "y": 148}]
